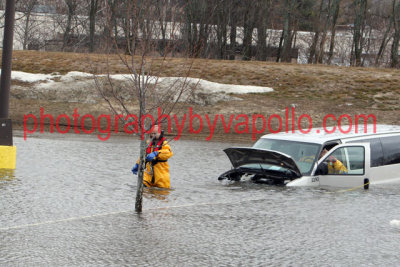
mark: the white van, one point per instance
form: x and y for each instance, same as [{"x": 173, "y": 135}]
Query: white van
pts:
[{"x": 293, "y": 159}]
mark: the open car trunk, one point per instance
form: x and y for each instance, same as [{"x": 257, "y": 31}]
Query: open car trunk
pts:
[{"x": 264, "y": 166}]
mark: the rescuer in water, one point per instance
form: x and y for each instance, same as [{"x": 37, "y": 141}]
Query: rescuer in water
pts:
[{"x": 158, "y": 152}]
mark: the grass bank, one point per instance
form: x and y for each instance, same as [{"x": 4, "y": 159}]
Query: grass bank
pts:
[{"x": 316, "y": 90}]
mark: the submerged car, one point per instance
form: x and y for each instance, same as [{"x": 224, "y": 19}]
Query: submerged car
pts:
[{"x": 296, "y": 159}]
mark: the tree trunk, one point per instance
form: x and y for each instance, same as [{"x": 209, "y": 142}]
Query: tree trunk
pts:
[
  {"x": 262, "y": 43},
  {"x": 127, "y": 30},
  {"x": 368, "y": 46},
  {"x": 198, "y": 14},
  {"x": 67, "y": 32},
  {"x": 396, "y": 38},
  {"x": 142, "y": 152},
  {"x": 92, "y": 23},
  {"x": 395, "y": 50},
  {"x": 287, "y": 36},
  {"x": 224, "y": 42},
  {"x": 110, "y": 29},
  {"x": 202, "y": 48},
  {"x": 313, "y": 48},
  {"x": 161, "y": 15},
  {"x": 278, "y": 57},
  {"x": 262, "y": 18},
  {"x": 220, "y": 25},
  {"x": 384, "y": 42},
  {"x": 27, "y": 10},
  {"x": 142, "y": 167},
  {"x": 26, "y": 32},
  {"x": 335, "y": 15},
  {"x": 361, "y": 9},
  {"x": 247, "y": 35},
  {"x": 71, "y": 6},
  {"x": 232, "y": 36},
  {"x": 321, "y": 52},
  {"x": 163, "y": 42}
]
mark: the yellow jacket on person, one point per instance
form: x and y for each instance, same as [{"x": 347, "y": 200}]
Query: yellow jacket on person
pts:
[
  {"x": 156, "y": 173},
  {"x": 337, "y": 167}
]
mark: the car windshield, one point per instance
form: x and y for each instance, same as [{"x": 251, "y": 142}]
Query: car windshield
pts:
[{"x": 304, "y": 154}]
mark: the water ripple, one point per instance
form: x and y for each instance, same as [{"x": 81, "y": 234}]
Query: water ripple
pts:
[{"x": 66, "y": 194}]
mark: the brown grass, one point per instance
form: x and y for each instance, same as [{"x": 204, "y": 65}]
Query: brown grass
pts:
[
  {"x": 254, "y": 73},
  {"x": 314, "y": 89}
]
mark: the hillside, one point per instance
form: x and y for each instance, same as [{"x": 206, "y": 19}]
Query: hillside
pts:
[{"x": 316, "y": 90}]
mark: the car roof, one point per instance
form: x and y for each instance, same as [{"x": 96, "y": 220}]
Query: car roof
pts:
[{"x": 321, "y": 136}]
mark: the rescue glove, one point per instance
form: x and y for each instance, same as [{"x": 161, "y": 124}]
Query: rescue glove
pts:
[
  {"x": 151, "y": 156},
  {"x": 135, "y": 169}
]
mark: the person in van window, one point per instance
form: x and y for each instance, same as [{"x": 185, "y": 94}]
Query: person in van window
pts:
[{"x": 335, "y": 166}]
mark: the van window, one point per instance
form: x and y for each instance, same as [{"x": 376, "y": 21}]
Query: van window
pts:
[
  {"x": 376, "y": 150},
  {"x": 391, "y": 149},
  {"x": 348, "y": 161}
]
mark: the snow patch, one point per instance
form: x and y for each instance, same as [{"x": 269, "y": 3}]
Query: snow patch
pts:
[
  {"x": 231, "y": 88},
  {"x": 78, "y": 86},
  {"x": 31, "y": 77},
  {"x": 204, "y": 84},
  {"x": 78, "y": 74}
]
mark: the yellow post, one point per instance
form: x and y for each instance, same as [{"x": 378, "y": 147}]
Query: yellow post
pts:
[{"x": 8, "y": 157}]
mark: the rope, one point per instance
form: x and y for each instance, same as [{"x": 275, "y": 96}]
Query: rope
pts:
[
  {"x": 61, "y": 220},
  {"x": 114, "y": 213},
  {"x": 160, "y": 208},
  {"x": 348, "y": 190}
]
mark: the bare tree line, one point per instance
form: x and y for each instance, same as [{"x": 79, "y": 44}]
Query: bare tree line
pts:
[{"x": 349, "y": 32}]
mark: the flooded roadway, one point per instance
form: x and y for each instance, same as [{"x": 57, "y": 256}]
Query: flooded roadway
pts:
[{"x": 71, "y": 202}]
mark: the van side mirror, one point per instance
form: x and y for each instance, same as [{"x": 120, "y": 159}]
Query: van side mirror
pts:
[{"x": 322, "y": 169}]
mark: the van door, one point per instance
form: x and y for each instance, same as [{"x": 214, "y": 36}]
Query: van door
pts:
[{"x": 346, "y": 165}]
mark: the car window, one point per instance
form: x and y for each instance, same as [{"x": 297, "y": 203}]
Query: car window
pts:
[
  {"x": 346, "y": 161},
  {"x": 376, "y": 150},
  {"x": 391, "y": 149}
]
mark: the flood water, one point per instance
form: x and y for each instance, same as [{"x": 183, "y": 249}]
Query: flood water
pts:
[{"x": 71, "y": 202}]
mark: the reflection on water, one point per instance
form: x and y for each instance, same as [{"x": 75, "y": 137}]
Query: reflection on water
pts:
[
  {"x": 157, "y": 193},
  {"x": 71, "y": 202},
  {"x": 7, "y": 175}
]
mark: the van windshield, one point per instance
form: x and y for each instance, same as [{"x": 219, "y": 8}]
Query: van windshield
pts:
[{"x": 304, "y": 154}]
